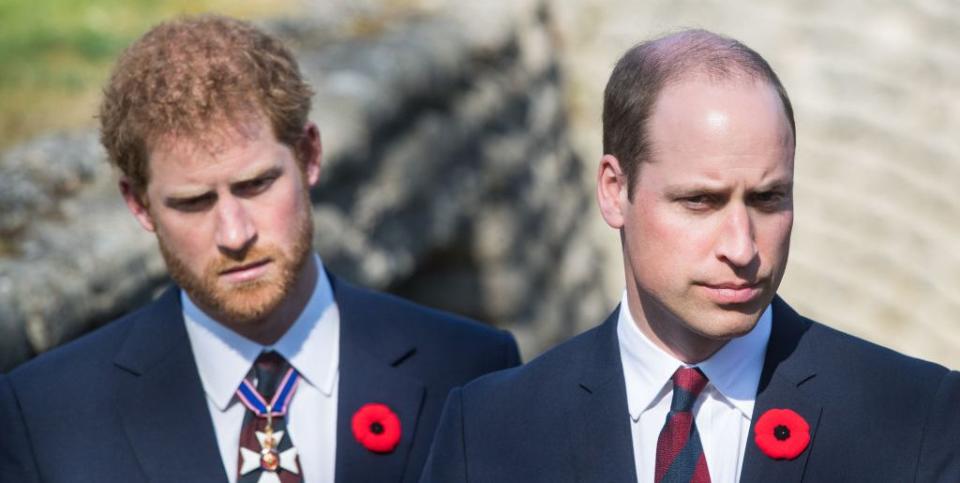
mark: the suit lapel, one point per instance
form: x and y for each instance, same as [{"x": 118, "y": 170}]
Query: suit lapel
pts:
[
  {"x": 785, "y": 370},
  {"x": 372, "y": 351},
  {"x": 602, "y": 442},
  {"x": 161, "y": 399}
]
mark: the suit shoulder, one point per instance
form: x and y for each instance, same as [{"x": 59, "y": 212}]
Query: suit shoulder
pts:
[
  {"x": 861, "y": 353},
  {"x": 448, "y": 350},
  {"x": 88, "y": 350},
  {"x": 74, "y": 367},
  {"x": 554, "y": 368},
  {"x": 426, "y": 323},
  {"x": 868, "y": 372}
]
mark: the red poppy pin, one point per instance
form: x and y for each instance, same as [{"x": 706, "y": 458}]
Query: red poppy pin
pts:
[
  {"x": 782, "y": 434},
  {"x": 376, "y": 427}
]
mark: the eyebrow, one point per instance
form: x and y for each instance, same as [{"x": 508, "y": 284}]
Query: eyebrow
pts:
[
  {"x": 273, "y": 170},
  {"x": 270, "y": 172},
  {"x": 696, "y": 187},
  {"x": 773, "y": 185}
]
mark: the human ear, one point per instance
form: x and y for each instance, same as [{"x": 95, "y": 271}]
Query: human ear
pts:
[
  {"x": 135, "y": 204},
  {"x": 611, "y": 191},
  {"x": 311, "y": 148}
]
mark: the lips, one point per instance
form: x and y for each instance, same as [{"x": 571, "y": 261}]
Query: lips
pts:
[
  {"x": 732, "y": 292},
  {"x": 245, "y": 272}
]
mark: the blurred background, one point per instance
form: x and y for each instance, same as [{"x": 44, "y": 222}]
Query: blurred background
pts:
[{"x": 461, "y": 141}]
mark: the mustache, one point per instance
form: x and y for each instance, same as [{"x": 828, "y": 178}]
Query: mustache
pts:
[{"x": 253, "y": 256}]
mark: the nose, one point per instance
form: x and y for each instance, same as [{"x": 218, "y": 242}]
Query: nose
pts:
[
  {"x": 235, "y": 231},
  {"x": 736, "y": 243}
]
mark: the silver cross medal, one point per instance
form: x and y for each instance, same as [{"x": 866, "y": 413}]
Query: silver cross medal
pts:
[{"x": 268, "y": 459}]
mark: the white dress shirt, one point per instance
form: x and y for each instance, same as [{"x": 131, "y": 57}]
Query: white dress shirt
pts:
[
  {"x": 722, "y": 412},
  {"x": 311, "y": 345}
]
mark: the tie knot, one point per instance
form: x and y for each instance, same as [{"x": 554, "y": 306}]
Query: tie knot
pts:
[
  {"x": 688, "y": 383},
  {"x": 269, "y": 361},
  {"x": 267, "y": 371}
]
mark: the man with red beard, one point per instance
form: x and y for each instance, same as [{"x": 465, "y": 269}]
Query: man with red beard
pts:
[{"x": 259, "y": 366}]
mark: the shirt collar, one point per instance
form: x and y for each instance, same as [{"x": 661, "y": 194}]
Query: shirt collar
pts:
[
  {"x": 734, "y": 370},
  {"x": 311, "y": 345}
]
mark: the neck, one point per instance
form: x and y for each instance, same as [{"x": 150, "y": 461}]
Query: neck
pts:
[
  {"x": 667, "y": 331},
  {"x": 274, "y": 324}
]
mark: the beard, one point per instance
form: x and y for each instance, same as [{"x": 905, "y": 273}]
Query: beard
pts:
[{"x": 250, "y": 301}]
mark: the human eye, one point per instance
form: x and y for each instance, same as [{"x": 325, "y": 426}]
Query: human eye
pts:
[
  {"x": 255, "y": 186},
  {"x": 698, "y": 202},
  {"x": 192, "y": 204},
  {"x": 770, "y": 200}
]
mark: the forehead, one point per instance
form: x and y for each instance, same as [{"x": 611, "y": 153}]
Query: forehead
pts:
[
  {"x": 218, "y": 155},
  {"x": 699, "y": 122},
  {"x": 731, "y": 112}
]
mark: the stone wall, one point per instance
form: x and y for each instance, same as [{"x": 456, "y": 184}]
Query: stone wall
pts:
[{"x": 448, "y": 178}]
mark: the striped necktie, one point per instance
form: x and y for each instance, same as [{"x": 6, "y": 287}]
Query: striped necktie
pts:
[{"x": 680, "y": 457}]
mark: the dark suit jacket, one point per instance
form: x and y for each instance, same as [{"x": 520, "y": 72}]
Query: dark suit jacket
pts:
[
  {"x": 874, "y": 415},
  {"x": 125, "y": 403}
]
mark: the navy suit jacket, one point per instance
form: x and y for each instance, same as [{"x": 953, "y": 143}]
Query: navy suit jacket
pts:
[
  {"x": 874, "y": 415},
  {"x": 125, "y": 403}
]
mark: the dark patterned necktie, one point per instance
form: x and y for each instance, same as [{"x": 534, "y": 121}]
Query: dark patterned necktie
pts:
[
  {"x": 680, "y": 456},
  {"x": 267, "y": 454}
]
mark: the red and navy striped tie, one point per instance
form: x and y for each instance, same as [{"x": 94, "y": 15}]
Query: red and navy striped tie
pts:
[{"x": 680, "y": 456}]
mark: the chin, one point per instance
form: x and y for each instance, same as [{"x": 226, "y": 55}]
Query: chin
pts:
[
  {"x": 250, "y": 306},
  {"x": 726, "y": 324}
]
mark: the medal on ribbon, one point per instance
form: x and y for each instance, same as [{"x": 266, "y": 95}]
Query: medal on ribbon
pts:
[{"x": 269, "y": 458}]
